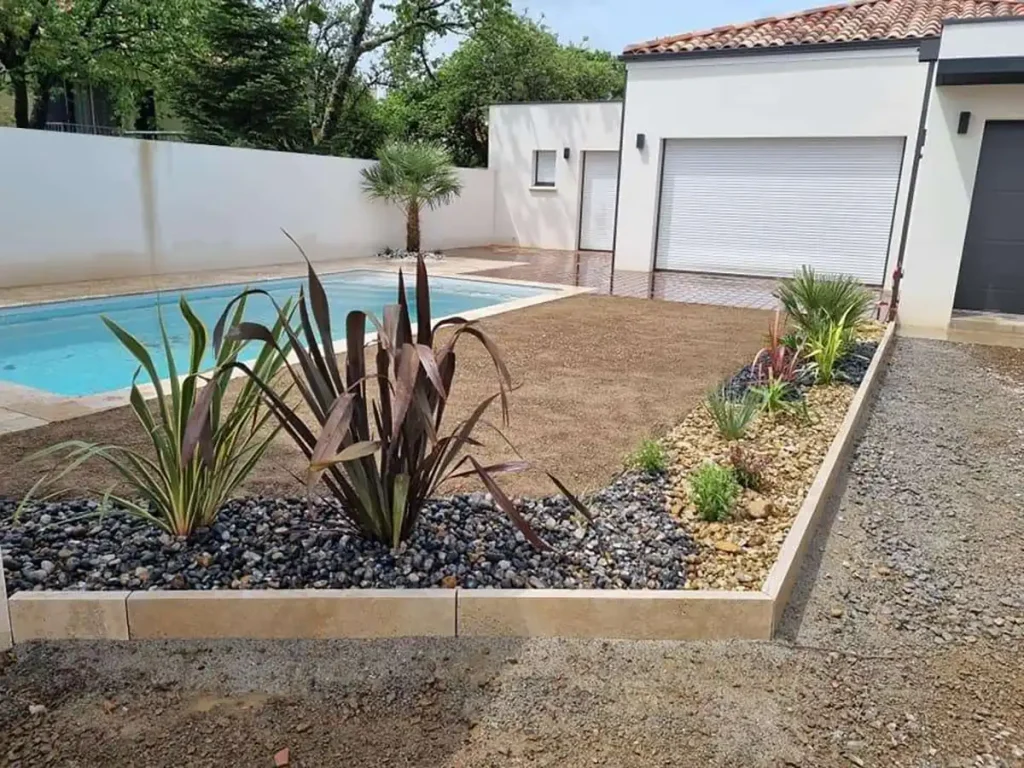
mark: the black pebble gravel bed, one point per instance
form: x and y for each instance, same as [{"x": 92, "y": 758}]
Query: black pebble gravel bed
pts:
[
  {"x": 850, "y": 369},
  {"x": 261, "y": 543}
]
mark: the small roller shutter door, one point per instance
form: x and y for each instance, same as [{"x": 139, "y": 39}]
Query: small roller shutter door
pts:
[
  {"x": 600, "y": 179},
  {"x": 769, "y": 206}
]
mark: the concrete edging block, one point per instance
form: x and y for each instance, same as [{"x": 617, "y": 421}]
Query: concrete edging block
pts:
[
  {"x": 632, "y": 615},
  {"x": 68, "y": 616},
  {"x": 6, "y": 636},
  {"x": 292, "y": 614},
  {"x": 783, "y": 575}
]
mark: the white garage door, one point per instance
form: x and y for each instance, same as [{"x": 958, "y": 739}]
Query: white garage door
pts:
[
  {"x": 769, "y": 206},
  {"x": 597, "y": 215}
]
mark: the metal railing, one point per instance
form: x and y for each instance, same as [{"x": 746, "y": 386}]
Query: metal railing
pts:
[{"x": 103, "y": 130}]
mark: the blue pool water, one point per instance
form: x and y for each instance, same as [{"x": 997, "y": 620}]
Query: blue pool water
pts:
[{"x": 65, "y": 348}]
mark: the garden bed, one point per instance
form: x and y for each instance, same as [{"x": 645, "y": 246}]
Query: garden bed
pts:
[
  {"x": 266, "y": 543},
  {"x": 700, "y": 539},
  {"x": 646, "y": 534}
]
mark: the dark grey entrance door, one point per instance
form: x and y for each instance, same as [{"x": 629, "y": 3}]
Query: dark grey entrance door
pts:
[{"x": 992, "y": 266}]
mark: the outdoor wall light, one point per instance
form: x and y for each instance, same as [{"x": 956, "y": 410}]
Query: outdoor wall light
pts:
[
  {"x": 641, "y": 140},
  {"x": 965, "y": 123},
  {"x": 566, "y": 153}
]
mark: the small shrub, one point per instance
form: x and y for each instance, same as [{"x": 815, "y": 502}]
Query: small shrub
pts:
[
  {"x": 713, "y": 490},
  {"x": 749, "y": 468},
  {"x": 649, "y": 457},
  {"x": 810, "y": 300},
  {"x": 732, "y": 417},
  {"x": 773, "y": 396},
  {"x": 776, "y": 360}
]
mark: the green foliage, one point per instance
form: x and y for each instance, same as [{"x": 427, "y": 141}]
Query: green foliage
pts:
[
  {"x": 732, "y": 417},
  {"x": 381, "y": 456},
  {"x": 774, "y": 395},
  {"x": 123, "y": 47},
  {"x": 649, "y": 457},
  {"x": 245, "y": 82},
  {"x": 748, "y": 468},
  {"x": 811, "y": 300},
  {"x": 826, "y": 344},
  {"x": 792, "y": 341},
  {"x": 507, "y": 58},
  {"x": 413, "y": 174},
  {"x": 178, "y": 490},
  {"x": 713, "y": 490}
]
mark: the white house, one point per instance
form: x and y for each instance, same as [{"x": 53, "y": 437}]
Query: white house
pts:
[{"x": 871, "y": 138}]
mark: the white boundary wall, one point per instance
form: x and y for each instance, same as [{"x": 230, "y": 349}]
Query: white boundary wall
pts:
[{"x": 78, "y": 207}]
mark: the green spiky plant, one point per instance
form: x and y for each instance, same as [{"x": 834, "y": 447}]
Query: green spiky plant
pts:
[
  {"x": 811, "y": 300},
  {"x": 732, "y": 417},
  {"x": 382, "y": 457},
  {"x": 826, "y": 344},
  {"x": 414, "y": 175},
  {"x": 172, "y": 488}
]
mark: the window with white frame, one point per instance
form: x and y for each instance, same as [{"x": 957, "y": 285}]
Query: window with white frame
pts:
[{"x": 544, "y": 168}]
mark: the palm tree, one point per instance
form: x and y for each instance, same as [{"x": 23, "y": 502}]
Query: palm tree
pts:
[{"x": 413, "y": 174}]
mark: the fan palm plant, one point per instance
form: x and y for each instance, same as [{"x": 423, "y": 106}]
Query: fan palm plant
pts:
[{"x": 414, "y": 175}]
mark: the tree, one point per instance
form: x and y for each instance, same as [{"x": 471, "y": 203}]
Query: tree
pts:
[
  {"x": 413, "y": 175},
  {"x": 509, "y": 58},
  {"x": 245, "y": 84},
  {"x": 122, "y": 45}
]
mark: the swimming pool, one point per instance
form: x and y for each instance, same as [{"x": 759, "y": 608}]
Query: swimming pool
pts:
[{"x": 65, "y": 348}]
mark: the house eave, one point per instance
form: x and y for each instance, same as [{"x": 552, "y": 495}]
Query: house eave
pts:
[{"x": 797, "y": 48}]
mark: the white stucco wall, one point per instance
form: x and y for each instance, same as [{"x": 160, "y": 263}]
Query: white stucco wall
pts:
[
  {"x": 544, "y": 218},
  {"x": 76, "y": 207},
  {"x": 854, "y": 93},
  {"x": 942, "y": 203},
  {"x": 983, "y": 38}
]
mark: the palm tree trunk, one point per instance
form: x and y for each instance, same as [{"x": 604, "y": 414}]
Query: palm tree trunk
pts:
[{"x": 412, "y": 228}]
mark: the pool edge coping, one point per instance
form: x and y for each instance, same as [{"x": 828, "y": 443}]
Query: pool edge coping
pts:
[
  {"x": 49, "y": 407},
  {"x": 488, "y": 612}
]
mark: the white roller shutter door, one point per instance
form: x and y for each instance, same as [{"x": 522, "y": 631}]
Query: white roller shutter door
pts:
[
  {"x": 600, "y": 180},
  {"x": 769, "y": 206}
]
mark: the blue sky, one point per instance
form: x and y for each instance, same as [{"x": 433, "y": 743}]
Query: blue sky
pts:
[{"x": 614, "y": 24}]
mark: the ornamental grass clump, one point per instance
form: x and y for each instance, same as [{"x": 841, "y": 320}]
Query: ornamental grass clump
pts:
[
  {"x": 777, "y": 360},
  {"x": 827, "y": 343},
  {"x": 713, "y": 491},
  {"x": 172, "y": 488},
  {"x": 371, "y": 429},
  {"x": 732, "y": 417},
  {"x": 649, "y": 457}
]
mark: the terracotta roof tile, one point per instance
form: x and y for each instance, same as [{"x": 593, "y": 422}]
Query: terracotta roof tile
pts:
[{"x": 843, "y": 23}]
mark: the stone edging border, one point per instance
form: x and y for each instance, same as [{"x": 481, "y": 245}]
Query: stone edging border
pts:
[{"x": 369, "y": 613}]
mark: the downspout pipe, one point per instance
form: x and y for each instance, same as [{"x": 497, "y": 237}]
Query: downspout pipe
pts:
[{"x": 922, "y": 131}]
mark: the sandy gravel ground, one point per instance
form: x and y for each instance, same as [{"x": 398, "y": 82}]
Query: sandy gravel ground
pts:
[
  {"x": 596, "y": 375},
  {"x": 924, "y": 543}
]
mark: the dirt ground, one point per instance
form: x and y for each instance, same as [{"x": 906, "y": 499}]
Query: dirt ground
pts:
[
  {"x": 902, "y": 646},
  {"x": 597, "y": 375}
]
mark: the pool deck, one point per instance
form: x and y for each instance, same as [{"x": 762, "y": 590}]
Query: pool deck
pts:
[{"x": 26, "y": 408}]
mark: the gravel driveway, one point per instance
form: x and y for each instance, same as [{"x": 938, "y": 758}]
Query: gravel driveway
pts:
[{"x": 903, "y": 646}]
